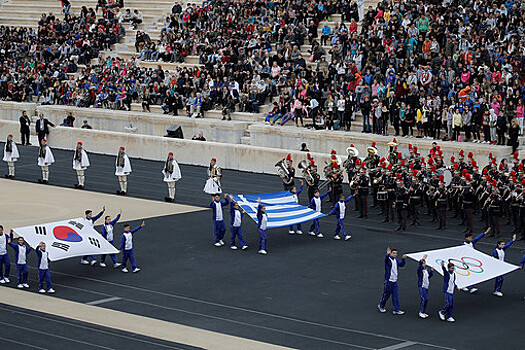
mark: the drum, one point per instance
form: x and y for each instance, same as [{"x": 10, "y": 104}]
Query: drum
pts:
[{"x": 382, "y": 196}]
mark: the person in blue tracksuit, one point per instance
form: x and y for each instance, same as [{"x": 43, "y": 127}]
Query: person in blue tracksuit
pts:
[
  {"x": 499, "y": 253},
  {"x": 392, "y": 266},
  {"x": 235, "y": 225},
  {"x": 107, "y": 232},
  {"x": 126, "y": 246},
  {"x": 21, "y": 251},
  {"x": 339, "y": 210},
  {"x": 295, "y": 194},
  {"x": 423, "y": 282},
  {"x": 262, "y": 223},
  {"x": 522, "y": 265},
  {"x": 449, "y": 278},
  {"x": 315, "y": 204},
  {"x": 43, "y": 269},
  {"x": 90, "y": 220},
  {"x": 5, "y": 264},
  {"x": 218, "y": 218},
  {"x": 471, "y": 242}
]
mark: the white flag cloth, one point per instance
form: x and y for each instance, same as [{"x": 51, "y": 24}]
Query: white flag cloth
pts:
[
  {"x": 67, "y": 239},
  {"x": 471, "y": 265}
]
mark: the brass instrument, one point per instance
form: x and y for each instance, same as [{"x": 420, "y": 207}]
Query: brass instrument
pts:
[
  {"x": 352, "y": 152},
  {"x": 283, "y": 172},
  {"x": 303, "y": 165}
]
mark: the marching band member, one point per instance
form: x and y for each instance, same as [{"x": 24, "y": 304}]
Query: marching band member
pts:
[
  {"x": 495, "y": 203},
  {"x": 286, "y": 172},
  {"x": 423, "y": 282},
  {"x": 213, "y": 184},
  {"x": 350, "y": 164},
  {"x": 392, "y": 266},
  {"x": 43, "y": 269},
  {"x": 441, "y": 200},
  {"x": 235, "y": 225},
  {"x": 126, "y": 247},
  {"x": 295, "y": 194},
  {"x": 80, "y": 164},
  {"x": 122, "y": 170},
  {"x": 415, "y": 198},
  {"x": 21, "y": 251},
  {"x": 499, "y": 253},
  {"x": 315, "y": 204},
  {"x": 392, "y": 153},
  {"x": 45, "y": 159},
  {"x": 339, "y": 210},
  {"x": 469, "y": 201},
  {"x": 401, "y": 205},
  {"x": 171, "y": 174},
  {"x": 107, "y": 232},
  {"x": 218, "y": 218},
  {"x": 449, "y": 278},
  {"x": 363, "y": 182},
  {"x": 90, "y": 220},
  {"x": 313, "y": 182},
  {"x": 5, "y": 264},
  {"x": 262, "y": 223},
  {"x": 11, "y": 155}
]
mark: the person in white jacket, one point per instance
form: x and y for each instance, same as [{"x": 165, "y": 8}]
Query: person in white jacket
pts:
[
  {"x": 45, "y": 159},
  {"x": 171, "y": 174},
  {"x": 11, "y": 155},
  {"x": 80, "y": 164},
  {"x": 122, "y": 170},
  {"x": 493, "y": 118}
]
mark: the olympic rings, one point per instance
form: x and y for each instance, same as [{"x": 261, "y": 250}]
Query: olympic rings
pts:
[{"x": 463, "y": 266}]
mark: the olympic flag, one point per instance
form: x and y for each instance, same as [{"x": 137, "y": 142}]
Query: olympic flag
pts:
[
  {"x": 471, "y": 265},
  {"x": 281, "y": 208},
  {"x": 67, "y": 239}
]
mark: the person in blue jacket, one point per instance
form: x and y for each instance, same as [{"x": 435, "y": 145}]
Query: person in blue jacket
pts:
[
  {"x": 499, "y": 253},
  {"x": 471, "y": 242},
  {"x": 339, "y": 210},
  {"x": 522, "y": 264},
  {"x": 126, "y": 247},
  {"x": 90, "y": 220},
  {"x": 235, "y": 225},
  {"x": 262, "y": 223},
  {"x": 218, "y": 218},
  {"x": 43, "y": 269},
  {"x": 423, "y": 282},
  {"x": 315, "y": 204},
  {"x": 4, "y": 257},
  {"x": 295, "y": 194},
  {"x": 449, "y": 278},
  {"x": 107, "y": 233},
  {"x": 392, "y": 266},
  {"x": 21, "y": 251}
]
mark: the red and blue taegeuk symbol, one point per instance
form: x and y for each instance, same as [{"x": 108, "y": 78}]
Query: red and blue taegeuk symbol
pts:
[{"x": 65, "y": 233}]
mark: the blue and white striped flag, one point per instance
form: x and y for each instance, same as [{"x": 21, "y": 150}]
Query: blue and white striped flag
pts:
[{"x": 281, "y": 208}]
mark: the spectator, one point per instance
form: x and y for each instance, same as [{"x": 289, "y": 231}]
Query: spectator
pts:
[
  {"x": 42, "y": 127},
  {"x": 199, "y": 138},
  {"x": 85, "y": 125}
]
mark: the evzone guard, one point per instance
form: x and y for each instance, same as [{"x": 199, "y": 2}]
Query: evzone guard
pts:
[
  {"x": 45, "y": 159},
  {"x": 11, "y": 155},
  {"x": 122, "y": 170},
  {"x": 171, "y": 174},
  {"x": 213, "y": 184},
  {"x": 80, "y": 165}
]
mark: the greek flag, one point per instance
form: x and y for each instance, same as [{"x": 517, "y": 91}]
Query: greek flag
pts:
[{"x": 281, "y": 208}]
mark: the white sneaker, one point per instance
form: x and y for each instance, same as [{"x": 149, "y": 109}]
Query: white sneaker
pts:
[
  {"x": 84, "y": 262},
  {"x": 299, "y": 232},
  {"x": 451, "y": 319},
  {"x": 262, "y": 251},
  {"x": 19, "y": 286},
  {"x": 464, "y": 289},
  {"x": 381, "y": 309},
  {"x": 291, "y": 232},
  {"x": 221, "y": 242},
  {"x": 125, "y": 270},
  {"x": 233, "y": 247},
  {"x": 93, "y": 262},
  {"x": 320, "y": 235},
  {"x": 400, "y": 312},
  {"x": 102, "y": 265},
  {"x": 41, "y": 290},
  {"x": 498, "y": 294},
  {"x": 136, "y": 269},
  {"x": 473, "y": 290},
  {"x": 337, "y": 237},
  {"x": 218, "y": 244},
  {"x": 244, "y": 247},
  {"x": 51, "y": 291},
  {"x": 2, "y": 281},
  {"x": 25, "y": 285},
  {"x": 423, "y": 315},
  {"x": 347, "y": 237},
  {"x": 311, "y": 233},
  {"x": 6, "y": 280},
  {"x": 117, "y": 265},
  {"x": 441, "y": 316}
]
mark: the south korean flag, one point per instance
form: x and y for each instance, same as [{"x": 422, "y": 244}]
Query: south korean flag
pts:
[{"x": 67, "y": 239}]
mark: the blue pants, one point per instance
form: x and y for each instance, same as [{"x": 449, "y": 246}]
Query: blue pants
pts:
[
  {"x": 449, "y": 305},
  {"x": 498, "y": 284},
  {"x": 391, "y": 288},
  {"x": 128, "y": 254},
  {"x": 366, "y": 122},
  {"x": 423, "y": 293},
  {"x": 315, "y": 227},
  {"x": 236, "y": 232},
  {"x": 4, "y": 261},
  {"x": 43, "y": 275},
  {"x": 88, "y": 257},
  {"x": 112, "y": 256},
  {"x": 219, "y": 230},
  {"x": 262, "y": 239},
  {"x": 21, "y": 273},
  {"x": 340, "y": 227},
  {"x": 299, "y": 227}
]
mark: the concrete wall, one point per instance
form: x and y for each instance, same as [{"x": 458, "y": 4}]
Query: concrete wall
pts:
[{"x": 13, "y": 110}]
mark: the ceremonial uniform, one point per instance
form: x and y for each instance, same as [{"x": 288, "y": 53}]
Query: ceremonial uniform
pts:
[
  {"x": 415, "y": 199},
  {"x": 235, "y": 227},
  {"x": 126, "y": 246},
  {"x": 315, "y": 204},
  {"x": 122, "y": 170},
  {"x": 363, "y": 181},
  {"x": 423, "y": 282},
  {"x": 213, "y": 184},
  {"x": 469, "y": 204},
  {"x": 401, "y": 203},
  {"x": 449, "y": 285},
  {"x": 171, "y": 174},
  {"x": 314, "y": 185},
  {"x": 495, "y": 204},
  {"x": 5, "y": 264},
  {"x": 43, "y": 271},
  {"x": 80, "y": 164},
  {"x": 218, "y": 220},
  {"x": 45, "y": 159},
  {"x": 441, "y": 198},
  {"x": 339, "y": 210},
  {"x": 107, "y": 232},
  {"x": 21, "y": 251},
  {"x": 11, "y": 155},
  {"x": 392, "y": 266}
]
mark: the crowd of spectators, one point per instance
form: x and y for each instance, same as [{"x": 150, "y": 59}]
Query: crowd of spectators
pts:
[{"x": 450, "y": 69}]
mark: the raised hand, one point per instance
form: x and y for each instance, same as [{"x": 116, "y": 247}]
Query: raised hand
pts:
[{"x": 388, "y": 251}]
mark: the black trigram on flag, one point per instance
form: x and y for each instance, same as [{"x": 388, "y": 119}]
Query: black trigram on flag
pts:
[
  {"x": 76, "y": 224},
  {"x": 94, "y": 241},
  {"x": 40, "y": 230},
  {"x": 62, "y": 246}
]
